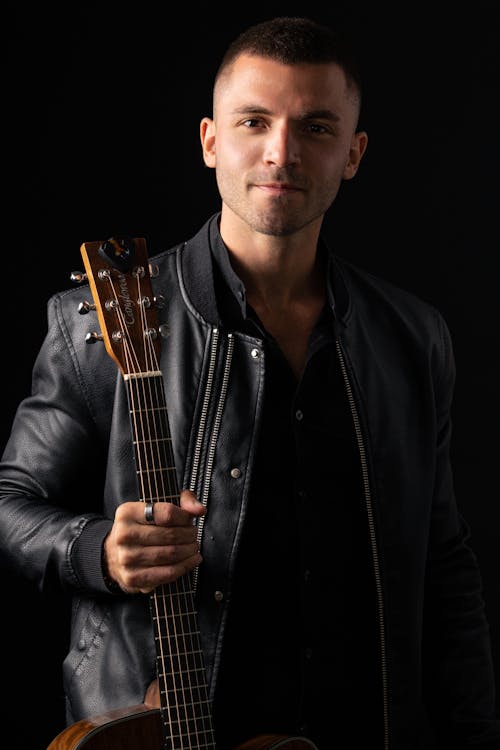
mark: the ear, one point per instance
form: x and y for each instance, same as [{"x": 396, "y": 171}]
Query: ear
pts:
[
  {"x": 207, "y": 137},
  {"x": 358, "y": 146}
]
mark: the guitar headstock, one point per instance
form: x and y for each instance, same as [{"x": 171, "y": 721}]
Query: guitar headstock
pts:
[{"x": 119, "y": 276}]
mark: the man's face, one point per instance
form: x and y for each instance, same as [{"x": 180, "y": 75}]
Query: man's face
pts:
[{"x": 281, "y": 141}]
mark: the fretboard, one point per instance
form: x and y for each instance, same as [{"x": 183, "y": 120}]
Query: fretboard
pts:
[{"x": 184, "y": 703}]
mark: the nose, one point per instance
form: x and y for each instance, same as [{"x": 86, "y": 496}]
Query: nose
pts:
[{"x": 282, "y": 147}]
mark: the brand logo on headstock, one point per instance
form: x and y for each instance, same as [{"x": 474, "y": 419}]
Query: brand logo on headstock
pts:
[{"x": 127, "y": 305}]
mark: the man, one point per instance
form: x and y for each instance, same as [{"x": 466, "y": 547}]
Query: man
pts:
[{"x": 309, "y": 403}]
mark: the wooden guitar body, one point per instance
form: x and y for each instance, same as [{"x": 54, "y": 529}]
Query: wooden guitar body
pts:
[
  {"x": 134, "y": 728},
  {"x": 140, "y": 728}
]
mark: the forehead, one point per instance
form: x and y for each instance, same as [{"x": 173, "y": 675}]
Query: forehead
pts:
[{"x": 253, "y": 80}]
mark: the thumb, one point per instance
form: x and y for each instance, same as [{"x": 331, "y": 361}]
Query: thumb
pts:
[{"x": 190, "y": 503}]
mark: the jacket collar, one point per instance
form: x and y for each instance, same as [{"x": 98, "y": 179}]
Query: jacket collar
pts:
[{"x": 198, "y": 273}]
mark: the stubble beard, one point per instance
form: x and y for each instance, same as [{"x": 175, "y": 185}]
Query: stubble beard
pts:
[
  {"x": 282, "y": 215},
  {"x": 281, "y": 218}
]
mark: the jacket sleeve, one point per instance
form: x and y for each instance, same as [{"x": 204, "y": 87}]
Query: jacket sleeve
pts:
[
  {"x": 51, "y": 473},
  {"x": 459, "y": 676}
]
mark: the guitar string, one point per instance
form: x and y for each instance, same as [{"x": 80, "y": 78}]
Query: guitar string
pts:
[
  {"x": 161, "y": 470},
  {"x": 183, "y": 584},
  {"x": 154, "y": 441}
]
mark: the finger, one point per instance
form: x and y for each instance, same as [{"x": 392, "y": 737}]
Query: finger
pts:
[
  {"x": 144, "y": 580},
  {"x": 160, "y": 550},
  {"x": 170, "y": 514},
  {"x": 190, "y": 502},
  {"x": 164, "y": 514},
  {"x": 132, "y": 558}
]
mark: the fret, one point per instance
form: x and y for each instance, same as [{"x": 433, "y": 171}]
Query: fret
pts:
[
  {"x": 157, "y": 484},
  {"x": 183, "y": 665},
  {"x": 188, "y": 675},
  {"x": 177, "y": 647},
  {"x": 147, "y": 396},
  {"x": 180, "y": 601},
  {"x": 163, "y": 498},
  {"x": 185, "y": 726},
  {"x": 185, "y": 589},
  {"x": 185, "y": 634},
  {"x": 150, "y": 425},
  {"x": 150, "y": 468},
  {"x": 176, "y": 618},
  {"x": 148, "y": 406},
  {"x": 156, "y": 411},
  {"x": 192, "y": 743},
  {"x": 194, "y": 698},
  {"x": 150, "y": 442}
]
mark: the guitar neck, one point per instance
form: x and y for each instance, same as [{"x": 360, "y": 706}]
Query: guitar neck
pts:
[{"x": 184, "y": 702}]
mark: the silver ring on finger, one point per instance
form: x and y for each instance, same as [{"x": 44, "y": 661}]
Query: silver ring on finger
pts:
[{"x": 149, "y": 516}]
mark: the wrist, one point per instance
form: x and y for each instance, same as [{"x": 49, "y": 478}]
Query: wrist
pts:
[{"x": 110, "y": 582}]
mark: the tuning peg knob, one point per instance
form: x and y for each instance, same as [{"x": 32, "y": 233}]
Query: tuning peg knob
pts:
[
  {"x": 93, "y": 336},
  {"x": 85, "y": 307},
  {"x": 78, "y": 277},
  {"x": 159, "y": 301}
]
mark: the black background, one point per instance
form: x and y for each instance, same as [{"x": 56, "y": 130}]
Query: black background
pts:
[{"x": 101, "y": 107}]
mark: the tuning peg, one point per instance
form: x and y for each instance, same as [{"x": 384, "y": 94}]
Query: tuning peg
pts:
[
  {"x": 159, "y": 301},
  {"x": 78, "y": 277},
  {"x": 85, "y": 307},
  {"x": 93, "y": 336},
  {"x": 153, "y": 270}
]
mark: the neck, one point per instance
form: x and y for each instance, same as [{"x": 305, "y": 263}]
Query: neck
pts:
[{"x": 277, "y": 271}]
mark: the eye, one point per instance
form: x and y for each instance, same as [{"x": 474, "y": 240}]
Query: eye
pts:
[
  {"x": 252, "y": 122},
  {"x": 317, "y": 128}
]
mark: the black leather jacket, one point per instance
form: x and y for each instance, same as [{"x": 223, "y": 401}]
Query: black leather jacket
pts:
[{"x": 69, "y": 463}]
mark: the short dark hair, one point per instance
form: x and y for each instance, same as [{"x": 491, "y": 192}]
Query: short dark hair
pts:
[{"x": 292, "y": 40}]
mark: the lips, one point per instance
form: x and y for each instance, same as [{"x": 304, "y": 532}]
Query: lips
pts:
[{"x": 279, "y": 187}]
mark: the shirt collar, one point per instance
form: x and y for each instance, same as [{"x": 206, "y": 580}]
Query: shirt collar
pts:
[{"x": 229, "y": 288}]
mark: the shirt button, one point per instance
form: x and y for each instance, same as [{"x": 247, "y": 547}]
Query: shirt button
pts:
[
  {"x": 299, "y": 415},
  {"x": 218, "y": 596},
  {"x": 255, "y": 353},
  {"x": 236, "y": 473}
]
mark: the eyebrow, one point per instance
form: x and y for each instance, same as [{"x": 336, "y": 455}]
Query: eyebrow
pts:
[{"x": 313, "y": 114}]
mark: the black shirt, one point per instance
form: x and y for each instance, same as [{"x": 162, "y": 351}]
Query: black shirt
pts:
[{"x": 299, "y": 653}]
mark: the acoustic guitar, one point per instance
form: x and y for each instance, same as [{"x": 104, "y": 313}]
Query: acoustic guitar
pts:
[{"x": 179, "y": 715}]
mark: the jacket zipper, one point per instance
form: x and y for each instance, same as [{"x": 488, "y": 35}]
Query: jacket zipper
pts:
[
  {"x": 204, "y": 410},
  {"x": 215, "y": 430},
  {"x": 373, "y": 540}
]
